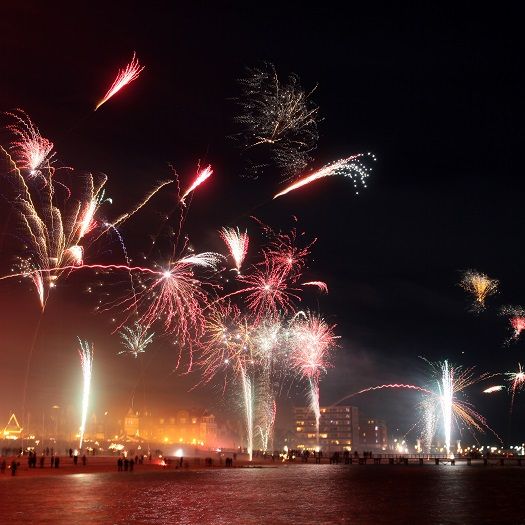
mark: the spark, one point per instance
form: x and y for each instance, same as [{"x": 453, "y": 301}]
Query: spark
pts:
[
  {"x": 135, "y": 339},
  {"x": 323, "y": 287},
  {"x": 237, "y": 244},
  {"x": 352, "y": 167},
  {"x": 277, "y": 118},
  {"x": 86, "y": 361},
  {"x": 492, "y": 389},
  {"x": 202, "y": 176},
  {"x": 123, "y": 78},
  {"x": 480, "y": 286},
  {"x": 31, "y": 150}
]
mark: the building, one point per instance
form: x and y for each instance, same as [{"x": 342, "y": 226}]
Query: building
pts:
[
  {"x": 338, "y": 428},
  {"x": 185, "y": 427},
  {"x": 372, "y": 434}
]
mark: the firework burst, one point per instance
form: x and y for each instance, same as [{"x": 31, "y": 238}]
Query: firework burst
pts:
[
  {"x": 517, "y": 383},
  {"x": 312, "y": 342},
  {"x": 237, "y": 244},
  {"x": 202, "y": 175},
  {"x": 135, "y": 339},
  {"x": 124, "y": 77},
  {"x": 480, "y": 286},
  {"x": 352, "y": 167},
  {"x": 279, "y": 120},
  {"x": 29, "y": 148},
  {"x": 516, "y": 316}
]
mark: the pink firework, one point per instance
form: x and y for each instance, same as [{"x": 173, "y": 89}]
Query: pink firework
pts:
[
  {"x": 516, "y": 316},
  {"x": 312, "y": 341},
  {"x": 352, "y": 167},
  {"x": 123, "y": 78},
  {"x": 284, "y": 253},
  {"x": 31, "y": 150},
  {"x": 323, "y": 287},
  {"x": 268, "y": 290},
  {"x": 237, "y": 244},
  {"x": 202, "y": 175}
]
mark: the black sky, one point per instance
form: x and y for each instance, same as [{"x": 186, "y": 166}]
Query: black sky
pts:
[{"x": 436, "y": 93}]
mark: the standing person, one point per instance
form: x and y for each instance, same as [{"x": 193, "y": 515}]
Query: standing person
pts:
[
  {"x": 75, "y": 459},
  {"x": 14, "y": 466},
  {"x": 42, "y": 459},
  {"x": 70, "y": 452},
  {"x": 126, "y": 464},
  {"x": 84, "y": 460},
  {"x": 131, "y": 465},
  {"x": 3, "y": 466},
  {"x": 52, "y": 461},
  {"x": 119, "y": 464},
  {"x": 57, "y": 461}
]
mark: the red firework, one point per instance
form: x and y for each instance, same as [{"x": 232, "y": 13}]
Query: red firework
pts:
[
  {"x": 123, "y": 78},
  {"x": 202, "y": 175}
]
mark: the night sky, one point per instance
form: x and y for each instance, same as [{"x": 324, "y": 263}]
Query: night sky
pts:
[{"x": 436, "y": 94}]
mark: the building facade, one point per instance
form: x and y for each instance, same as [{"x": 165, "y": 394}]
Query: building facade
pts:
[
  {"x": 372, "y": 434},
  {"x": 338, "y": 428}
]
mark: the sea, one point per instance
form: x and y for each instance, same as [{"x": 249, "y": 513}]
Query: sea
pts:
[{"x": 286, "y": 494}]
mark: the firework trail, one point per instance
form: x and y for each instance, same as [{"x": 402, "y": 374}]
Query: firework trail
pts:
[
  {"x": 312, "y": 342},
  {"x": 202, "y": 175},
  {"x": 123, "y": 78},
  {"x": 516, "y": 316},
  {"x": 267, "y": 409},
  {"x": 237, "y": 244},
  {"x": 277, "y": 118},
  {"x": 517, "y": 382},
  {"x": 446, "y": 396},
  {"x": 29, "y": 148},
  {"x": 352, "y": 167},
  {"x": 430, "y": 419},
  {"x": 248, "y": 398},
  {"x": 382, "y": 387},
  {"x": 86, "y": 360},
  {"x": 492, "y": 389},
  {"x": 323, "y": 287},
  {"x": 480, "y": 286},
  {"x": 135, "y": 339}
]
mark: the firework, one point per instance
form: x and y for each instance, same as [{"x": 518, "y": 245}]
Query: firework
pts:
[
  {"x": 86, "y": 361},
  {"x": 30, "y": 149},
  {"x": 323, "y": 287},
  {"x": 237, "y": 244},
  {"x": 279, "y": 119},
  {"x": 480, "y": 286},
  {"x": 268, "y": 290},
  {"x": 135, "y": 339},
  {"x": 313, "y": 340},
  {"x": 516, "y": 316},
  {"x": 202, "y": 175},
  {"x": 492, "y": 389},
  {"x": 452, "y": 381},
  {"x": 50, "y": 220},
  {"x": 517, "y": 382},
  {"x": 123, "y": 78},
  {"x": 352, "y": 167}
]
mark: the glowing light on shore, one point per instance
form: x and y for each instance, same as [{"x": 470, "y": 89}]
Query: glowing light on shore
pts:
[
  {"x": 237, "y": 244},
  {"x": 124, "y": 77},
  {"x": 86, "y": 361},
  {"x": 351, "y": 167},
  {"x": 201, "y": 177},
  {"x": 480, "y": 286}
]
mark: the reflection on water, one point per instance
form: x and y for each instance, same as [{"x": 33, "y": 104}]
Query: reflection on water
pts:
[{"x": 287, "y": 494}]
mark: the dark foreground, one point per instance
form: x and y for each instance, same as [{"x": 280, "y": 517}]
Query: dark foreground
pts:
[{"x": 284, "y": 494}]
